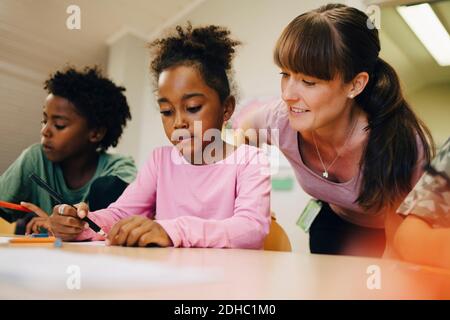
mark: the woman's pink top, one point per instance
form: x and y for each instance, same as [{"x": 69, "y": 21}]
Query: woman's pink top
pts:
[{"x": 272, "y": 117}]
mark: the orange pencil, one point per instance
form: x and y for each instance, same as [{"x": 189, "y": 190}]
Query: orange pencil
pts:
[
  {"x": 14, "y": 206},
  {"x": 25, "y": 240}
]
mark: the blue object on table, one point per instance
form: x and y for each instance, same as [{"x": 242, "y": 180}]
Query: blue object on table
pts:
[{"x": 40, "y": 235}]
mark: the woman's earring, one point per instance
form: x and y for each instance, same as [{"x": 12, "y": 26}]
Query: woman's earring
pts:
[{"x": 351, "y": 96}]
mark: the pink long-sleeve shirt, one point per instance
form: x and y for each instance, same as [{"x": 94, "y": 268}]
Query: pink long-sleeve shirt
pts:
[{"x": 221, "y": 205}]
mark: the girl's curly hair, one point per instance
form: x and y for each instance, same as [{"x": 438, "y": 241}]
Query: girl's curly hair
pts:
[{"x": 209, "y": 49}]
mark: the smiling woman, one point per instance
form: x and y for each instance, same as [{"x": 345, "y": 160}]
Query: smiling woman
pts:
[
  {"x": 83, "y": 115},
  {"x": 352, "y": 139}
]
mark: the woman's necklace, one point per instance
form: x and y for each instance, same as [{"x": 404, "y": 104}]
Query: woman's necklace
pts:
[{"x": 325, "y": 169}]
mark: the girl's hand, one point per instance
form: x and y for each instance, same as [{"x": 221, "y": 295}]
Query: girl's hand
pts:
[
  {"x": 41, "y": 221},
  {"x": 66, "y": 221},
  {"x": 138, "y": 231}
]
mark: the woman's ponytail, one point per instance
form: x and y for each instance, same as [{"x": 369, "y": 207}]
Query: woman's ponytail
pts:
[{"x": 396, "y": 135}]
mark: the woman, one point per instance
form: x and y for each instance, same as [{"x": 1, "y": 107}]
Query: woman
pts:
[{"x": 350, "y": 136}]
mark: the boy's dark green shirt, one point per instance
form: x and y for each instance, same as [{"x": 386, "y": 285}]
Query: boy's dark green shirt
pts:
[{"x": 15, "y": 185}]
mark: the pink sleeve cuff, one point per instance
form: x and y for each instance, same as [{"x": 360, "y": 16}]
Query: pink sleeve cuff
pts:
[{"x": 170, "y": 226}]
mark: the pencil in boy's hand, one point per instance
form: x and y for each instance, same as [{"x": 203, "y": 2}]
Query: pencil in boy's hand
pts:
[{"x": 59, "y": 199}]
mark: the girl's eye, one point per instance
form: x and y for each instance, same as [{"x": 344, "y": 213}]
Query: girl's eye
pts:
[
  {"x": 194, "y": 109},
  {"x": 166, "y": 113},
  {"x": 308, "y": 83},
  {"x": 284, "y": 74}
]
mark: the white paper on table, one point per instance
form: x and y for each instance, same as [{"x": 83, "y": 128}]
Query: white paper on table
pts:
[
  {"x": 5, "y": 239},
  {"x": 49, "y": 269}
]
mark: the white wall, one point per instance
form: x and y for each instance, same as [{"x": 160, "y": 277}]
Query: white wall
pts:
[
  {"x": 127, "y": 66},
  {"x": 22, "y": 98},
  {"x": 432, "y": 105}
]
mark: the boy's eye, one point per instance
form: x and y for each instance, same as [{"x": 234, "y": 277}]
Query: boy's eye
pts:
[
  {"x": 58, "y": 127},
  {"x": 166, "y": 113},
  {"x": 194, "y": 109}
]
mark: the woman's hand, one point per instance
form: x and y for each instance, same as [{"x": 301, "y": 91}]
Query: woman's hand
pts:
[
  {"x": 41, "y": 221},
  {"x": 66, "y": 221},
  {"x": 138, "y": 231}
]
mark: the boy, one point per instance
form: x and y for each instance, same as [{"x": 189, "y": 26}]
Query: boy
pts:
[{"x": 83, "y": 115}]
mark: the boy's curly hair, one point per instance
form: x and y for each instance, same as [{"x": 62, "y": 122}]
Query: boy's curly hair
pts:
[
  {"x": 97, "y": 98},
  {"x": 209, "y": 49}
]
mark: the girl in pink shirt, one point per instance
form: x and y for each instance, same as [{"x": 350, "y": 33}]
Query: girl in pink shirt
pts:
[{"x": 200, "y": 192}]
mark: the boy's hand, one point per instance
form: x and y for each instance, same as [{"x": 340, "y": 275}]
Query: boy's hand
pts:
[
  {"x": 138, "y": 231},
  {"x": 36, "y": 224},
  {"x": 41, "y": 221},
  {"x": 66, "y": 221}
]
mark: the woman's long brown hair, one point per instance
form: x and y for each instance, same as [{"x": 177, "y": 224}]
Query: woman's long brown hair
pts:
[{"x": 337, "y": 40}]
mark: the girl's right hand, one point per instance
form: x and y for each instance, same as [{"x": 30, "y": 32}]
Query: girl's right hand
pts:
[{"x": 66, "y": 221}]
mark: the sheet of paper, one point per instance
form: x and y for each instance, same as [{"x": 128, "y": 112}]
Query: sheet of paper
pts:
[
  {"x": 55, "y": 270},
  {"x": 4, "y": 239}
]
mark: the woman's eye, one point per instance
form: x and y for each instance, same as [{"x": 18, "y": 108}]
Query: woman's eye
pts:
[
  {"x": 166, "y": 113},
  {"x": 194, "y": 109},
  {"x": 59, "y": 127},
  {"x": 309, "y": 83}
]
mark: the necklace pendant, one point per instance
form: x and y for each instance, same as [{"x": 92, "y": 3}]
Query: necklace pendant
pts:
[{"x": 325, "y": 174}]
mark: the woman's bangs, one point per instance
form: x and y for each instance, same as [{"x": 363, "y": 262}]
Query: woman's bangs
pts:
[{"x": 307, "y": 46}]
